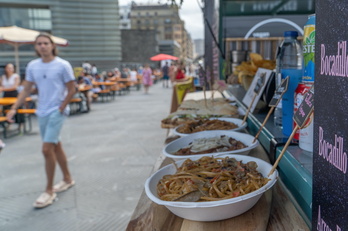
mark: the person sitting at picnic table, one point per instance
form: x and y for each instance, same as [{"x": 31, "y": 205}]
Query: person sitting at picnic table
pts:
[
  {"x": 83, "y": 84},
  {"x": 109, "y": 76},
  {"x": 133, "y": 75},
  {"x": 10, "y": 82}
]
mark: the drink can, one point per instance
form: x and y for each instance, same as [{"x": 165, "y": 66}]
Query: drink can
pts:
[
  {"x": 300, "y": 91},
  {"x": 308, "y": 50}
]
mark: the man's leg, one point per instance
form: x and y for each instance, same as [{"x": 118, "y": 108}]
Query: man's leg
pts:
[
  {"x": 63, "y": 162},
  {"x": 50, "y": 164}
]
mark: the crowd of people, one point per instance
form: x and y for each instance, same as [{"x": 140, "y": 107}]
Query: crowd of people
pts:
[{"x": 175, "y": 72}]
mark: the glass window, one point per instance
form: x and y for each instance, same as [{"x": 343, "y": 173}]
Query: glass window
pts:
[
  {"x": 31, "y": 18},
  {"x": 167, "y": 20}
]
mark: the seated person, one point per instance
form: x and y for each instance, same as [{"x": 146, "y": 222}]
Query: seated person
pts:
[{"x": 84, "y": 83}]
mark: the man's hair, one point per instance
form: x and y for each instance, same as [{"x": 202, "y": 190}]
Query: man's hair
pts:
[{"x": 46, "y": 35}]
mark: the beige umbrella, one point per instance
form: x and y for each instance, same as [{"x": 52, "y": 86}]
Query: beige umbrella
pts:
[{"x": 17, "y": 36}]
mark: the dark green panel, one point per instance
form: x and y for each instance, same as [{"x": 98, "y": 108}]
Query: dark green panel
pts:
[{"x": 267, "y": 7}]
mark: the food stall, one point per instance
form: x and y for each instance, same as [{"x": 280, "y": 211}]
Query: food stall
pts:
[
  {"x": 289, "y": 205},
  {"x": 275, "y": 209}
]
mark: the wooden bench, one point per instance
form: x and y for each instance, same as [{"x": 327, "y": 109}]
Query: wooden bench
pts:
[
  {"x": 3, "y": 123},
  {"x": 104, "y": 94},
  {"x": 113, "y": 90},
  {"x": 27, "y": 117},
  {"x": 75, "y": 105}
]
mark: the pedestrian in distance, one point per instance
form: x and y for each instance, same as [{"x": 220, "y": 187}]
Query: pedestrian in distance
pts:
[
  {"x": 147, "y": 78},
  {"x": 54, "y": 78},
  {"x": 165, "y": 72}
]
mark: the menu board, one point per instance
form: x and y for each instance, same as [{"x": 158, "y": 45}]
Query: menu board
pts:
[
  {"x": 257, "y": 87},
  {"x": 330, "y": 178},
  {"x": 305, "y": 109},
  {"x": 279, "y": 92}
]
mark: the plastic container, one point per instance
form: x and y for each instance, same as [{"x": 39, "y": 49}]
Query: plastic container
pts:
[{"x": 289, "y": 63}]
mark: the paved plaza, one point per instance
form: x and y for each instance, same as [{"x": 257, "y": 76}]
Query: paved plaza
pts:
[{"x": 111, "y": 152}]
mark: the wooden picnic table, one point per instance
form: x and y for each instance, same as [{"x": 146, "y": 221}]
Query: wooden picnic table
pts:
[
  {"x": 103, "y": 83},
  {"x": 5, "y": 101},
  {"x": 84, "y": 88}
]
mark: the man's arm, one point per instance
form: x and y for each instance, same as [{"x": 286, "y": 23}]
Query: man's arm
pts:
[
  {"x": 20, "y": 100},
  {"x": 71, "y": 92}
]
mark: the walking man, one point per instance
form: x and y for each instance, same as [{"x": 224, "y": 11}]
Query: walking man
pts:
[
  {"x": 165, "y": 72},
  {"x": 55, "y": 81}
]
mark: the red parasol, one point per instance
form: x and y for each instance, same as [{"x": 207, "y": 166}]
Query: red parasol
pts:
[{"x": 160, "y": 57}]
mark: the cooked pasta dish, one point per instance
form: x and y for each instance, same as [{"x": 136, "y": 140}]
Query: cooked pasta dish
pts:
[
  {"x": 220, "y": 143},
  {"x": 205, "y": 125},
  {"x": 210, "y": 179}
]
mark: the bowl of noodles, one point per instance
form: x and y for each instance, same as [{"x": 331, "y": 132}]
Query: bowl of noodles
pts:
[
  {"x": 211, "y": 188},
  {"x": 211, "y": 124},
  {"x": 209, "y": 143}
]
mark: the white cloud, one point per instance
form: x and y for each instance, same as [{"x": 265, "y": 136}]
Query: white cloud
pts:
[{"x": 190, "y": 13}]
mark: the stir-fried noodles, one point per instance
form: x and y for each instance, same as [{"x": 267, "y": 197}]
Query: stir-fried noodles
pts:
[{"x": 209, "y": 179}]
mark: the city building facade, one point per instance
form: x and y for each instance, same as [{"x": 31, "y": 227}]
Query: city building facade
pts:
[
  {"x": 199, "y": 47},
  {"x": 125, "y": 22},
  {"x": 165, "y": 20},
  {"x": 138, "y": 46},
  {"x": 91, "y": 27}
]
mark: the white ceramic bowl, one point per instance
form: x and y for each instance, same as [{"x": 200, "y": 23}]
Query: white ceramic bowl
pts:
[
  {"x": 212, "y": 210},
  {"x": 236, "y": 121},
  {"x": 183, "y": 142}
]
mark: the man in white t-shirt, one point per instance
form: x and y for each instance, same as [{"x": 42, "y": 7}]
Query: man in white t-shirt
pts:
[{"x": 55, "y": 81}]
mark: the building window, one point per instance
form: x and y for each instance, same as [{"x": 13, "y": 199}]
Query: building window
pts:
[
  {"x": 31, "y": 18},
  {"x": 168, "y": 37},
  {"x": 138, "y": 21},
  {"x": 167, "y": 20},
  {"x": 155, "y": 13},
  {"x": 155, "y": 21}
]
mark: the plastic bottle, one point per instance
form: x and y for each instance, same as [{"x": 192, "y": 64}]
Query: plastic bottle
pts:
[{"x": 289, "y": 63}]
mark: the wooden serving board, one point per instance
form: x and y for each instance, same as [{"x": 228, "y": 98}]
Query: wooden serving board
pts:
[{"x": 150, "y": 216}]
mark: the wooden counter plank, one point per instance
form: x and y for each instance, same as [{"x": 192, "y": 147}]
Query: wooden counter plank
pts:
[
  {"x": 284, "y": 215},
  {"x": 255, "y": 219}
]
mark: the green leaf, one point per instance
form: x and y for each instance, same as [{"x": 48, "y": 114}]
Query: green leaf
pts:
[{"x": 308, "y": 57}]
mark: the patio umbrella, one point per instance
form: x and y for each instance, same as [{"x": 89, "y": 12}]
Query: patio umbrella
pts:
[
  {"x": 160, "y": 57},
  {"x": 16, "y": 36}
]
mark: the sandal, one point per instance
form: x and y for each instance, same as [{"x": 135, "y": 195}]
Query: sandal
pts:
[
  {"x": 62, "y": 186},
  {"x": 44, "y": 200}
]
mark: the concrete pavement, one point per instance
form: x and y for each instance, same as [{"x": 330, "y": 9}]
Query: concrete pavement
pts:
[{"x": 111, "y": 152}]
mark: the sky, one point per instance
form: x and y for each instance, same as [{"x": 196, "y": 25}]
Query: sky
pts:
[{"x": 190, "y": 13}]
